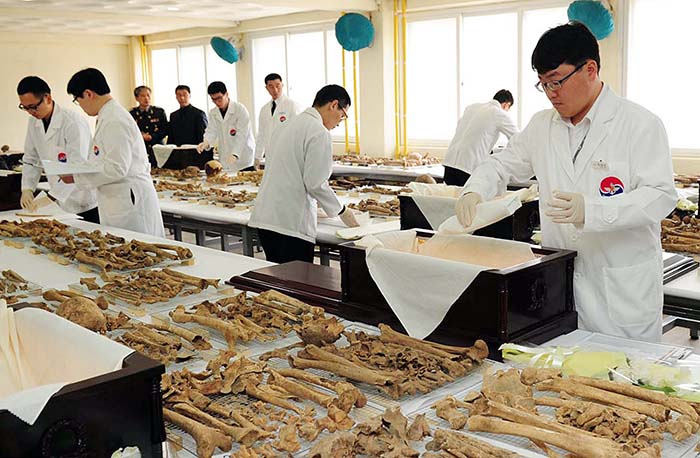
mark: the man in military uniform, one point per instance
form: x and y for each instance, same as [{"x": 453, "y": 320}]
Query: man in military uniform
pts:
[{"x": 151, "y": 120}]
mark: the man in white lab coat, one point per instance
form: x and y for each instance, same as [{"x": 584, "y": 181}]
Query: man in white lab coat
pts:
[
  {"x": 54, "y": 134},
  {"x": 296, "y": 182},
  {"x": 229, "y": 127},
  {"x": 125, "y": 193},
  {"x": 604, "y": 170},
  {"x": 275, "y": 112},
  {"x": 476, "y": 134}
]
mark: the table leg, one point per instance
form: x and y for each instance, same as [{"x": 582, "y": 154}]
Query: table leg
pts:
[
  {"x": 247, "y": 240},
  {"x": 324, "y": 255}
]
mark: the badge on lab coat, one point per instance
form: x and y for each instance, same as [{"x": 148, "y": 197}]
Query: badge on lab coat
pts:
[
  {"x": 283, "y": 118},
  {"x": 599, "y": 165},
  {"x": 96, "y": 150},
  {"x": 611, "y": 186},
  {"x": 62, "y": 156},
  {"x": 232, "y": 132}
]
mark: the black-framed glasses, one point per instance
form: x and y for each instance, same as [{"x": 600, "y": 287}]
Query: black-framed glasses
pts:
[
  {"x": 556, "y": 85},
  {"x": 345, "y": 112},
  {"x": 32, "y": 107}
]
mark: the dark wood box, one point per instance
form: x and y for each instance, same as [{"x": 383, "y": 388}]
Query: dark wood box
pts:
[
  {"x": 94, "y": 417},
  {"x": 532, "y": 302},
  {"x": 10, "y": 191},
  {"x": 518, "y": 226}
]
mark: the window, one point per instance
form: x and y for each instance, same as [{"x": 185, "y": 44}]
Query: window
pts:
[
  {"x": 194, "y": 76},
  {"x": 307, "y": 66},
  {"x": 195, "y": 66},
  {"x": 535, "y": 23},
  {"x": 268, "y": 57},
  {"x": 164, "y": 71},
  {"x": 487, "y": 69},
  {"x": 307, "y": 61},
  {"x": 334, "y": 75},
  {"x": 462, "y": 59},
  {"x": 661, "y": 74},
  {"x": 431, "y": 79}
]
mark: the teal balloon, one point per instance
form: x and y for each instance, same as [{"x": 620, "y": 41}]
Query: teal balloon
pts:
[
  {"x": 593, "y": 15},
  {"x": 224, "y": 49},
  {"x": 354, "y": 31}
]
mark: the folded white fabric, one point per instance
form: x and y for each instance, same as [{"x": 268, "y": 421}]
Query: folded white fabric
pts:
[
  {"x": 162, "y": 153},
  {"x": 373, "y": 227},
  {"x": 436, "y": 190},
  {"x": 421, "y": 279},
  {"x": 487, "y": 213},
  {"x": 41, "y": 352}
]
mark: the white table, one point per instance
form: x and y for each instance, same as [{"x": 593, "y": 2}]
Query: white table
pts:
[
  {"x": 39, "y": 269},
  {"x": 388, "y": 172},
  {"x": 200, "y": 218}
]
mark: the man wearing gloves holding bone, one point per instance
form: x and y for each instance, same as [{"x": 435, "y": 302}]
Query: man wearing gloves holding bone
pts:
[{"x": 606, "y": 181}]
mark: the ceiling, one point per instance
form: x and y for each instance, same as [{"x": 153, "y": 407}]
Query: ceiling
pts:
[{"x": 143, "y": 17}]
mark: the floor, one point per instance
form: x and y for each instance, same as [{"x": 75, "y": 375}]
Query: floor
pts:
[{"x": 677, "y": 336}]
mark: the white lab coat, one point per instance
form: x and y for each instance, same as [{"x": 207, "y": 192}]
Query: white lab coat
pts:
[
  {"x": 267, "y": 122},
  {"x": 296, "y": 181},
  {"x": 67, "y": 140},
  {"x": 126, "y": 196},
  {"x": 233, "y": 134},
  {"x": 476, "y": 134},
  {"x": 618, "y": 270}
]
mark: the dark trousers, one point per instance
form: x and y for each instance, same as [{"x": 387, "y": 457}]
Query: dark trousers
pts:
[
  {"x": 248, "y": 169},
  {"x": 281, "y": 248},
  {"x": 455, "y": 177},
  {"x": 92, "y": 216}
]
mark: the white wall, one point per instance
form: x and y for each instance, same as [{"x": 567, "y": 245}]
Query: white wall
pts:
[{"x": 55, "y": 58}]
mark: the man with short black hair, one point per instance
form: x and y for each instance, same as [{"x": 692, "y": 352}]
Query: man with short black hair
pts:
[
  {"x": 476, "y": 134},
  {"x": 125, "y": 193},
  {"x": 187, "y": 126},
  {"x": 229, "y": 126},
  {"x": 275, "y": 112},
  {"x": 53, "y": 134},
  {"x": 605, "y": 176},
  {"x": 296, "y": 182},
  {"x": 151, "y": 120}
]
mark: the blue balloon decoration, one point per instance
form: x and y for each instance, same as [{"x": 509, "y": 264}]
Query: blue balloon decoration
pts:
[
  {"x": 224, "y": 49},
  {"x": 354, "y": 31},
  {"x": 593, "y": 15}
]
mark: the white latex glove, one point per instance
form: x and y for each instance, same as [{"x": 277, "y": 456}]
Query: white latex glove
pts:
[
  {"x": 203, "y": 146},
  {"x": 567, "y": 208},
  {"x": 465, "y": 208},
  {"x": 27, "y": 200},
  {"x": 347, "y": 216}
]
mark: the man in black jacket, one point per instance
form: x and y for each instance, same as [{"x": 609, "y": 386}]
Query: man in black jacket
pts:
[
  {"x": 151, "y": 120},
  {"x": 187, "y": 127}
]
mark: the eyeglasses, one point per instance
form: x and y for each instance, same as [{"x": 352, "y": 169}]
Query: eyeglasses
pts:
[
  {"x": 31, "y": 107},
  {"x": 75, "y": 99},
  {"x": 345, "y": 113},
  {"x": 556, "y": 85}
]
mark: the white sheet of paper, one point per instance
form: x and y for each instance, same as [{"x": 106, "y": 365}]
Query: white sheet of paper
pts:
[{"x": 63, "y": 168}]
